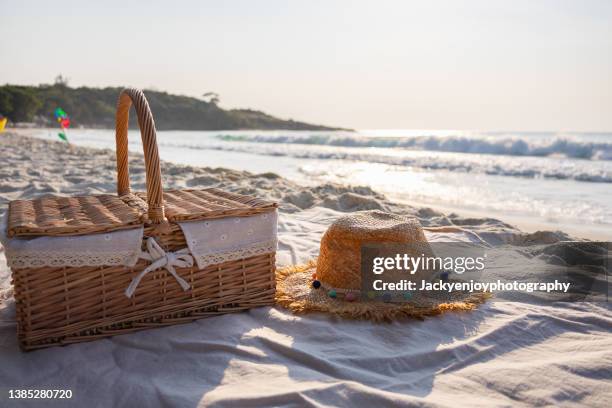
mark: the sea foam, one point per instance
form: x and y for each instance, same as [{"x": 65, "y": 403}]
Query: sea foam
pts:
[{"x": 524, "y": 145}]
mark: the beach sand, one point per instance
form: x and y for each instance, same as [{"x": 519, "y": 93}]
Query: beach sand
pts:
[{"x": 502, "y": 354}]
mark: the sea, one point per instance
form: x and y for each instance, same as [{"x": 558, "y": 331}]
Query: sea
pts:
[{"x": 534, "y": 180}]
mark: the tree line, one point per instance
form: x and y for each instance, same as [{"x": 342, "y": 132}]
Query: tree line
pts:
[{"x": 95, "y": 107}]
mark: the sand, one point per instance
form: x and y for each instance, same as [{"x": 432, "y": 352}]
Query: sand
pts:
[{"x": 505, "y": 353}]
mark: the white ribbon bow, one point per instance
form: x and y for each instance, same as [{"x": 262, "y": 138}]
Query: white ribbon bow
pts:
[{"x": 161, "y": 259}]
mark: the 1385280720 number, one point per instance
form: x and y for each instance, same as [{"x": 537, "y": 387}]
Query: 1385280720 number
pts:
[{"x": 39, "y": 394}]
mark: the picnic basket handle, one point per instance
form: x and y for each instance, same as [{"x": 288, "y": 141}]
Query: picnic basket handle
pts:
[{"x": 155, "y": 198}]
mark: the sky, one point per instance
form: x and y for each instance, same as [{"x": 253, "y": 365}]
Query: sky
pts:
[{"x": 529, "y": 65}]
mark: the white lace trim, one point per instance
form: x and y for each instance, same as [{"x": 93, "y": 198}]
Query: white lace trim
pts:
[
  {"x": 228, "y": 239},
  {"x": 38, "y": 259},
  {"x": 105, "y": 249},
  {"x": 234, "y": 255},
  {"x": 210, "y": 242}
]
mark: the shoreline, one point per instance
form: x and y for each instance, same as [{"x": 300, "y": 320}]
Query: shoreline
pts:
[{"x": 35, "y": 167}]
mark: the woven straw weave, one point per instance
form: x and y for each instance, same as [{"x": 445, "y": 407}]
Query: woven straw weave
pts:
[
  {"x": 339, "y": 268},
  {"x": 339, "y": 264}
]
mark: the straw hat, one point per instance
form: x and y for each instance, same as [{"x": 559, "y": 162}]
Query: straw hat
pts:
[{"x": 333, "y": 282}]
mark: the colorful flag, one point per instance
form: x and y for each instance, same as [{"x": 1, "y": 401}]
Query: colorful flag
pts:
[{"x": 64, "y": 121}]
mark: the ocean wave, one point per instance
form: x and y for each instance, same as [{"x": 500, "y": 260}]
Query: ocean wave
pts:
[
  {"x": 528, "y": 167},
  {"x": 512, "y": 146}
]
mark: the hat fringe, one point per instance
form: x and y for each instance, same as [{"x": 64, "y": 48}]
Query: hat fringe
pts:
[{"x": 357, "y": 310}]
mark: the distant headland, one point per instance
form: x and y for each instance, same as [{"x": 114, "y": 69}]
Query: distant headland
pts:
[{"x": 95, "y": 108}]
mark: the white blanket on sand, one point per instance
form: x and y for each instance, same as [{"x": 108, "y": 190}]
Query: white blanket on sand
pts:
[{"x": 501, "y": 354}]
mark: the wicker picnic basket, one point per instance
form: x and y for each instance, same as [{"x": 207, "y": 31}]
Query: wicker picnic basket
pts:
[{"x": 62, "y": 305}]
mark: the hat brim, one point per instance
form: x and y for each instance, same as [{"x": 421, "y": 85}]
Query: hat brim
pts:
[{"x": 294, "y": 291}]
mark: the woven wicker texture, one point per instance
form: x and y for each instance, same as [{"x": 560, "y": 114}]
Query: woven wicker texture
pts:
[
  {"x": 149, "y": 143},
  {"x": 192, "y": 205},
  {"x": 70, "y": 215},
  {"x": 57, "y": 216},
  {"x": 339, "y": 263},
  {"x": 68, "y": 305},
  {"x": 73, "y": 304}
]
